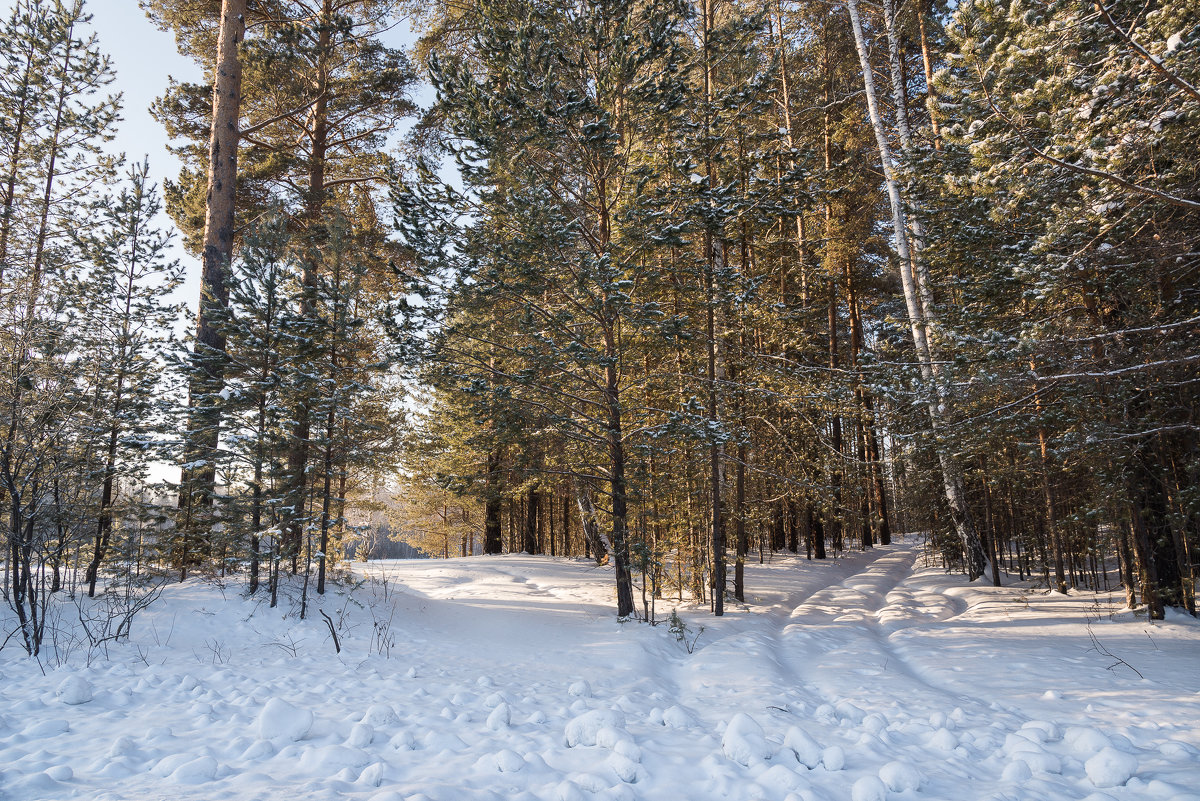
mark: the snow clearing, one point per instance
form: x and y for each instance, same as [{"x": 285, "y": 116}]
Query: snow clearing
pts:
[{"x": 862, "y": 678}]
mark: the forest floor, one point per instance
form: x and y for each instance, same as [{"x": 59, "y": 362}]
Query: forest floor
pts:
[{"x": 862, "y": 678}]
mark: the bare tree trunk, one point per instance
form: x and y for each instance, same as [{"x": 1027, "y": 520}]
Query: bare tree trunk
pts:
[{"x": 616, "y": 451}]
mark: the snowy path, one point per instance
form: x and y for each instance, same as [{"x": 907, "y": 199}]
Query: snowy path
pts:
[{"x": 856, "y": 679}]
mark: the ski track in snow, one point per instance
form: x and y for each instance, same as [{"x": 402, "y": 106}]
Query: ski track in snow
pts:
[{"x": 862, "y": 678}]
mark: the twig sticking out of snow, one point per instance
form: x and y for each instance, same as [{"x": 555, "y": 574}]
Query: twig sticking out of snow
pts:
[
  {"x": 1100, "y": 649},
  {"x": 329, "y": 622}
]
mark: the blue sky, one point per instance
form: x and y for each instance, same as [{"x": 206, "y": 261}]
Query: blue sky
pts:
[{"x": 144, "y": 57}]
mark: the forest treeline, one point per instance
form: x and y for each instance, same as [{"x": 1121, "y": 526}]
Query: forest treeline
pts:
[{"x": 673, "y": 284}]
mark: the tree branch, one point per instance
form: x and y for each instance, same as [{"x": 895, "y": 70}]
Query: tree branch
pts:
[
  {"x": 1141, "y": 51},
  {"x": 1174, "y": 200}
]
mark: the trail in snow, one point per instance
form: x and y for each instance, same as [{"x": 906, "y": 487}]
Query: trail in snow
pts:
[{"x": 858, "y": 679}]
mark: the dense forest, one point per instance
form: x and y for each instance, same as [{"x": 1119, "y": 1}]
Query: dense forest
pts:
[{"x": 669, "y": 284}]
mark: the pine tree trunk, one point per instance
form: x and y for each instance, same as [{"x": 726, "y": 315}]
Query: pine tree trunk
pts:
[
  {"x": 620, "y": 535},
  {"x": 198, "y": 480},
  {"x": 836, "y": 530},
  {"x": 493, "y": 541}
]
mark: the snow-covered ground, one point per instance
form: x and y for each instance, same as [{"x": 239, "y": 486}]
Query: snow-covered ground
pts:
[{"x": 862, "y": 678}]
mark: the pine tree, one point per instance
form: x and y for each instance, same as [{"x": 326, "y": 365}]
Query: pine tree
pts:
[
  {"x": 126, "y": 319},
  {"x": 261, "y": 330}
]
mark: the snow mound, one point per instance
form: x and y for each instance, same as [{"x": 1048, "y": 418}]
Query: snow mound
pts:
[
  {"x": 868, "y": 788},
  {"x": 74, "y": 690},
  {"x": 443, "y": 741},
  {"x": 121, "y": 746},
  {"x": 60, "y": 773},
  {"x": 580, "y": 689},
  {"x": 1039, "y": 760},
  {"x": 568, "y": 790},
  {"x": 780, "y": 780},
  {"x": 196, "y": 771},
  {"x": 874, "y": 723},
  {"x": 258, "y": 750},
  {"x": 1017, "y": 772},
  {"x": 807, "y": 752},
  {"x": 500, "y": 717},
  {"x": 744, "y": 741},
  {"x": 361, "y": 735},
  {"x": 379, "y": 715},
  {"x": 676, "y": 718},
  {"x": 1085, "y": 741},
  {"x": 582, "y": 730},
  {"x": 626, "y": 769},
  {"x": 833, "y": 758},
  {"x": 1110, "y": 767},
  {"x": 330, "y": 759},
  {"x": 508, "y": 761},
  {"x": 848, "y": 711},
  {"x": 900, "y": 777},
  {"x": 945, "y": 740},
  {"x": 391, "y": 795},
  {"x": 47, "y": 728},
  {"x": 373, "y": 775},
  {"x": 610, "y": 737},
  {"x": 629, "y": 750},
  {"x": 1043, "y": 730},
  {"x": 281, "y": 720}
]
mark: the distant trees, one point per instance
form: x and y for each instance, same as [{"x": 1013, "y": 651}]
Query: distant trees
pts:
[{"x": 777, "y": 394}]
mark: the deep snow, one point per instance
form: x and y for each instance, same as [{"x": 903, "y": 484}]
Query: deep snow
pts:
[{"x": 861, "y": 678}]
